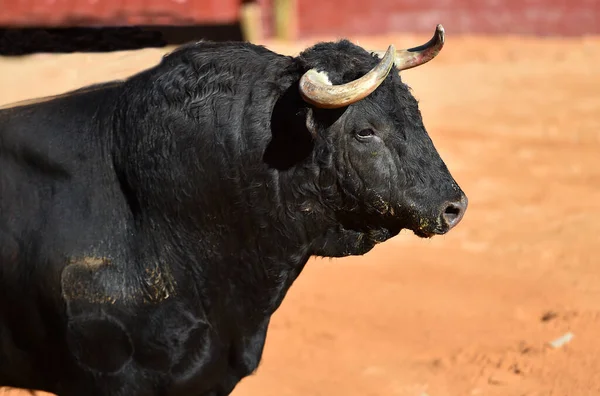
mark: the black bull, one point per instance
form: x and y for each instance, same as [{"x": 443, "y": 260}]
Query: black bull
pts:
[{"x": 149, "y": 228}]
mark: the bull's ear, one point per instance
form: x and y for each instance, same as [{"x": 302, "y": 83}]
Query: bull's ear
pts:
[
  {"x": 293, "y": 131},
  {"x": 311, "y": 124},
  {"x": 321, "y": 119}
]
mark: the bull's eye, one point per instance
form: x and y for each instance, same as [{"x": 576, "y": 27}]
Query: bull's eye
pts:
[{"x": 365, "y": 134}]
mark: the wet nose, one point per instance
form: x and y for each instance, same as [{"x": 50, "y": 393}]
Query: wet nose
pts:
[{"x": 454, "y": 212}]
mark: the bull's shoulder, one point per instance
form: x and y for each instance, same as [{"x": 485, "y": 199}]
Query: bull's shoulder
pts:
[{"x": 127, "y": 306}]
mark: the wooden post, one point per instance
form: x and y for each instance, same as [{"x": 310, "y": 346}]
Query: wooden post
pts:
[
  {"x": 251, "y": 21},
  {"x": 285, "y": 16}
]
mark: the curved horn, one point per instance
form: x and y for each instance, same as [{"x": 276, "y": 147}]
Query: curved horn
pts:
[
  {"x": 409, "y": 58},
  {"x": 316, "y": 88}
]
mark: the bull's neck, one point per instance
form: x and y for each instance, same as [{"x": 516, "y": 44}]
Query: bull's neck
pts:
[{"x": 218, "y": 209}]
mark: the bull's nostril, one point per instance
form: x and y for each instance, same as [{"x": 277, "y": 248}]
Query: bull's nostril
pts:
[{"x": 454, "y": 212}]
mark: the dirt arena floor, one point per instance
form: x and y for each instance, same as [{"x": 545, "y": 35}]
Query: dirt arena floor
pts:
[{"x": 517, "y": 121}]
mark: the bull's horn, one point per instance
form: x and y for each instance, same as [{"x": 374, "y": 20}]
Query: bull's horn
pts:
[
  {"x": 316, "y": 88},
  {"x": 408, "y": 58}
]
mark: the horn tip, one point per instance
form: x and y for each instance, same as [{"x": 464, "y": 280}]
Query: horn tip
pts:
[{"x": 440, "y": 32}]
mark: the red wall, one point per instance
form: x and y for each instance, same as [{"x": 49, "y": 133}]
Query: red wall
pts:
[
  {"x": 344, "y": 17},
  {"x": 116, "y": 12},
  {"x": 326, "y": 17}
]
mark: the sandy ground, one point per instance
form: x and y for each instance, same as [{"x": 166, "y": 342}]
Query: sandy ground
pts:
[{"x": 471, "y": 313}]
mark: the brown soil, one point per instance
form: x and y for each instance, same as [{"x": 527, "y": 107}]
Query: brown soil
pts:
[{"x": 470, "y": 313}]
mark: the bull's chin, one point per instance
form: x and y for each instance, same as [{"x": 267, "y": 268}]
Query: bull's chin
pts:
[
  {"x": 342, "y": 242},
  {"x": 367, "y": 240},
  {"x": 380, "y": 235}
]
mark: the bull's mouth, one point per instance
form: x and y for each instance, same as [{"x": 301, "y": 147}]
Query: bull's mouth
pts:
[
  {"x": 383, "y": 234},
  {"x": 421, "y": 226},
  {"x": 354, "y": 238},
  {"x": 425, "y": 233},
  {"x": 391, "y": 227},
  {"x": 383, "y": 229},
  {"x": 424, "y": 229}
]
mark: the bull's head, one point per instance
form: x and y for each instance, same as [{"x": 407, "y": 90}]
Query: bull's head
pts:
[{"x": 385, "y": 170}]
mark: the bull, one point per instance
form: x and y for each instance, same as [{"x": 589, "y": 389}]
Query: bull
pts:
[{"x": 150, "y": 227}]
